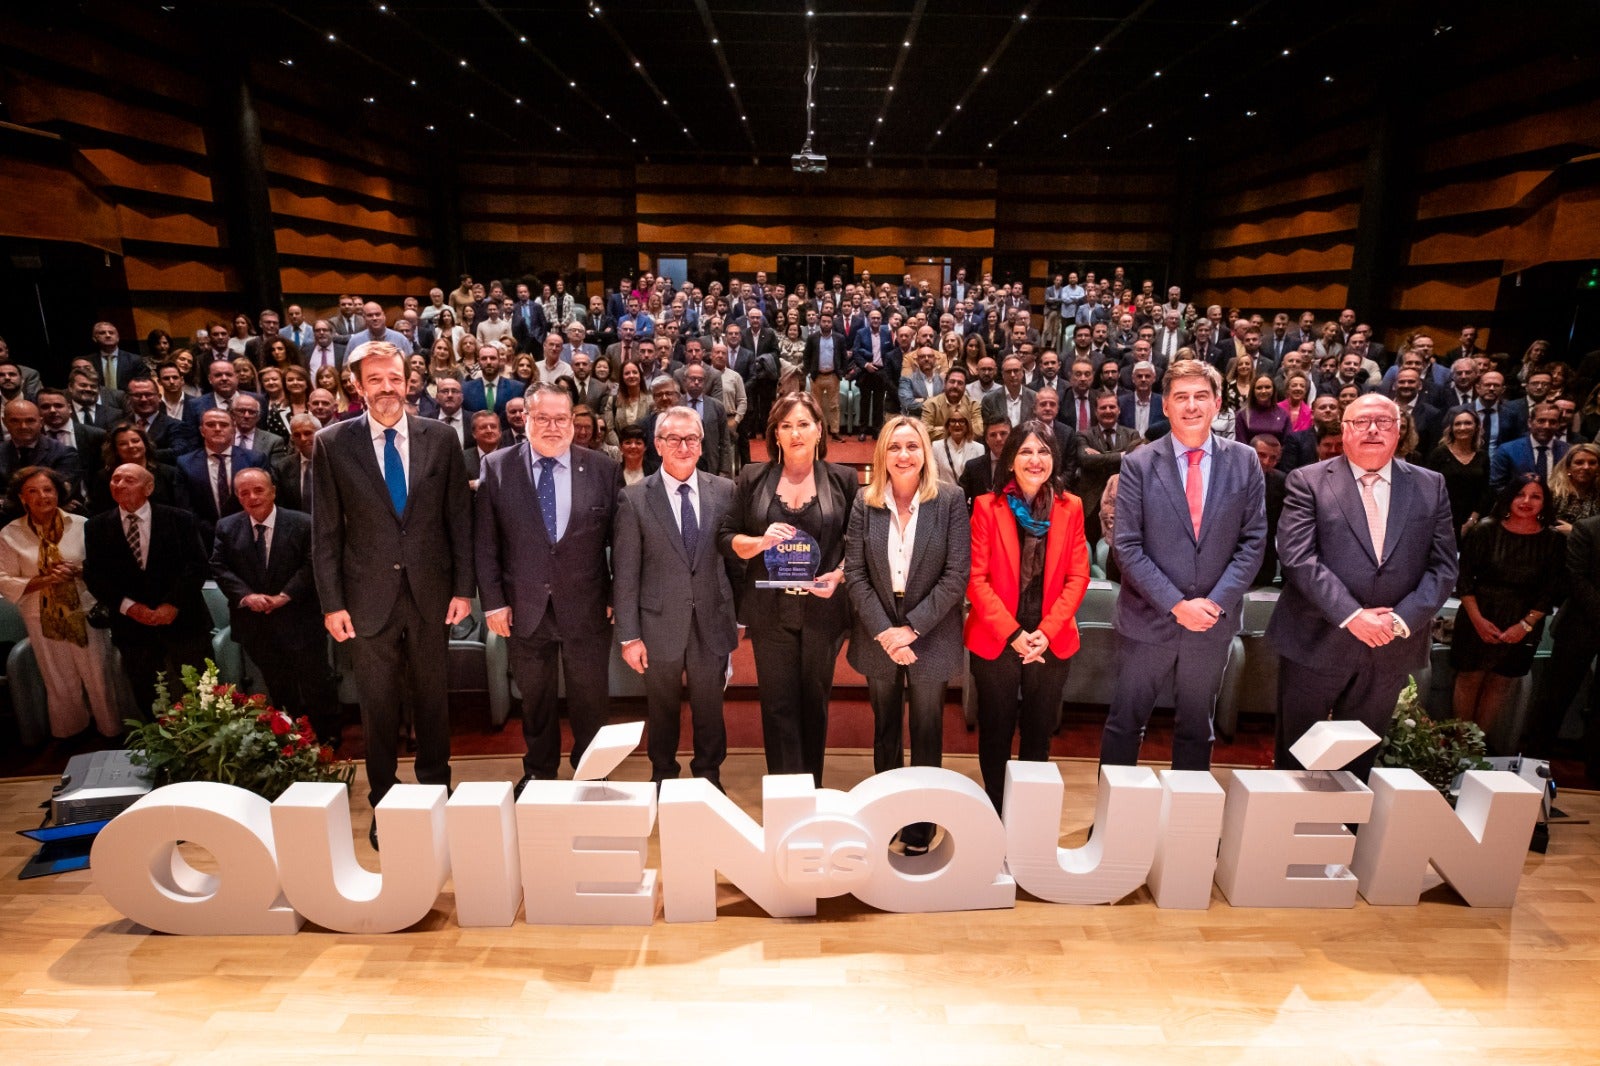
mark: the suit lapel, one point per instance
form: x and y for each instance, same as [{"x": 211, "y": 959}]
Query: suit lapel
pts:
[
  {"x": 656, "y": 496},
  {"x": 1355, "y": 512},
  {"x": 1167, "y": 475},
  {"x": 1402, "y": 497},
  {"x": 580, "y": 487},
  {"x": 367, "y": 460},
  {"x": 930, "y": 517},
  {"x": 1010, "y": 543}
]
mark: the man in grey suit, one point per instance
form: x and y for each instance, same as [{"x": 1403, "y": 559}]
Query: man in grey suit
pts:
[
  {"x": 1368, "y": 553},
  {"x": 392, "y": 553},
  {"x": 1191, "y": 528},
  {"x": 1012, "y": 402},
  {"x": 674, "y": 592},
  {"x": 544, "y": 511}
]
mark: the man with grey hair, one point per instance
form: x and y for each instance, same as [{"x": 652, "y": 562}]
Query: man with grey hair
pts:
[
  {"x": 246, "y": 412},
  {"x": 674, "y": 596},
  {"x": 735, "y": 401}
]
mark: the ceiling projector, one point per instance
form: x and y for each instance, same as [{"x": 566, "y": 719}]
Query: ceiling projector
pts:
[{"x": 809, "y": 162}]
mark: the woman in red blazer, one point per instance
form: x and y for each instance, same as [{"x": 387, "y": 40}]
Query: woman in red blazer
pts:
[{"x": 1030, "y": 568}]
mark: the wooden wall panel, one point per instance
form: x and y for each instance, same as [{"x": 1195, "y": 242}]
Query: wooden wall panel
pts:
[
  {"x": 33, "y": 101},
  {"x": 48, "y": 202},
  {"x": 809, "y": 237}
]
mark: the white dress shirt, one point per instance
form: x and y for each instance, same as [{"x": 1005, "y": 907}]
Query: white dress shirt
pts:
[
  {"x": 456, "y": 422},
  {"x": 402, "y": 444},
  {"x": 902, "y": 542},
  {"x": 271, "y": 522},
  {"x": 143, "y": 514},
  {"x": 671, "y": 484}
]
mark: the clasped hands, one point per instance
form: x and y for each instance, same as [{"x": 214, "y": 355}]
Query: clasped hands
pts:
[
  {"x": 896, "y": 643},
  {"x": 153, "y": 616},
  {"x": 1373, "y": 626},
  {"x": 263, "y": 602},
  {"x": 1031, "y": 646},
  {"x": 1515, "y": 633}
]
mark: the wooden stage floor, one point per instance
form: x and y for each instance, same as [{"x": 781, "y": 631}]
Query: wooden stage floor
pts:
[{"x": 1441, "y": 983}]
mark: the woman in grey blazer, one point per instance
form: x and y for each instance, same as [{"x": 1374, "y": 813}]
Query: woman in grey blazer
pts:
[{"x": 907, "y": 555}]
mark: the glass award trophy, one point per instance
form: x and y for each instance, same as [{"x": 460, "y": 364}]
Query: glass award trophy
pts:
[{"x": 792, "y": 564}]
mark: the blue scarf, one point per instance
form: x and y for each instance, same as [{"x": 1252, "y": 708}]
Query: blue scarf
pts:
[{"x": 1038, "y": 527}]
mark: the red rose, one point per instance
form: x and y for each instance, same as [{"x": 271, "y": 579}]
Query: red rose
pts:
[
  {"x": 240, "y": 699},
  {"x": 281, "y": 724},
  {"x": 265, "y": 716},
  {"x": 287, "y": 752},
  {"x": 325, "y": 755},
  {"x": 218, "y": 690}
]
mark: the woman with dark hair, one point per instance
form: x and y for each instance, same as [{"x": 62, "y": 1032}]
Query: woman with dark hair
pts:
[
  {"x": 1030, "y": 569},
  {"x": 157, "y": 347},
  {"x": 126, "y": 442},
  {"x": 1261, "y": 416},
  {"x": 41, "y": 571},
  {"x": 296, "y": 392},
  {"x": 972, "y": 350},
  {"x": 796, "y": 633},
  {"x": 1575, "y": 485},
  {"x": 905, "y": 566},
  {"x": 631, "y": 403},
  {"x": 1465, "y": 469},
  {"x": 1512, "y": 575},
  {"x": 281, "y": 352},
  {"x": 630, "y": 442},
  {"x": 184, "y": 360}
]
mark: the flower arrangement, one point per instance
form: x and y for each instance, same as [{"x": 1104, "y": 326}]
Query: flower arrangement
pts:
[
  {"x": 1436, "y": 750},
  {"x": 214, "y": 732}
]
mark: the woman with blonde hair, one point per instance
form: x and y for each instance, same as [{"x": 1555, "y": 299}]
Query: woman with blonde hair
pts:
[
  {"x": 1575, "y": 485},
  {"x": 907, "y": 554}
]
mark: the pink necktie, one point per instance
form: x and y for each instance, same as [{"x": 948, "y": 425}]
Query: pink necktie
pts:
[
  {"x": 1193, "y": 491},
  {"x": 1369, "y": 501}
]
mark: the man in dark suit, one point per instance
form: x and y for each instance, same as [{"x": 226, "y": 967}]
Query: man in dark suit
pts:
[
  {"x": 392, "y": 551},
  {"x": 1142, "y": 409},
  {"x": 146, "y": 563},
  {"x": 475, "y": 393},
  {"x": 1368, "y": 552},
  {"x": 26, "y": 445},
  {"x": 1191, "y": 527},
  {"x": 246, "y": 412},
  {"x": 873, "y": 354},
  {"x": 1536, "y": 453},
  {"x": 544, "y": 514},
  {"x": 713, "y": 418},
  {"x": 1270, "y": 451},
  {"x": 674, "y": 593},
  {"x": 977, "y": 477},
  {"x": 1300, "y": 449},
  {"x": 1428, "y": 420},
  {"x": 224, "y": 387},
  {"x": 1100, "y": 450},
  {"x": 485, "y": 442},
  {"x": 91, "y": 404},
  {"x": 293, "y": 473},
  {"x": 115, "y": 366},
  {"x": 1503, "y": 420},
  {"x": 1576, "y": 641},
  {"x": 325, "y": 350},
  {"x": 83, "y": 441},
  {"x": 529, "y": 324},
  {"x": 170, "y": 436},
  {"x": 208, "y": 473},
  {"x": 1169, "y": 337},
  {"x": 261, "y": 560}
]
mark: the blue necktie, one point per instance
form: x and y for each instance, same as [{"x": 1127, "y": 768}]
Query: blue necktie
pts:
[
  {"x": 547, "y": 496},
  {"x": 394, "y": 472},
  {"x": 688, "y": 522}
]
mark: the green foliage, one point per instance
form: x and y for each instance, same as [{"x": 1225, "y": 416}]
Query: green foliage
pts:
[
  {"x": 215, "y": 733},
  {"x": 1437, "y": 751}
]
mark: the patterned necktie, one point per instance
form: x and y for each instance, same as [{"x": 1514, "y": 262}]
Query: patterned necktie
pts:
[
  {"x": 133, "y": 540},
  {"x": 547, "y": 496},
  {"x": 688, "y": 522},
  {"x": 1193, "y": 489},
  {"x": 394, "y": 472},
  {"x": 1369, "y": 501}
]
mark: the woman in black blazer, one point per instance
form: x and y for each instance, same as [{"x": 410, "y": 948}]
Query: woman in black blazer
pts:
[
  {"x": 126, "y": 443},
  {"x": 907, "y": 555},
  {"x": 796, "y": 636}
]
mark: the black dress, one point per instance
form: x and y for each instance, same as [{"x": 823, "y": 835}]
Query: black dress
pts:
[
  {"x": 1509, "y": 574},
  {"x": 1467, "y": 484}
]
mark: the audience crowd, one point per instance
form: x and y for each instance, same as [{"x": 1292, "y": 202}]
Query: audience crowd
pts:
[{"x": 148, "y": 470}]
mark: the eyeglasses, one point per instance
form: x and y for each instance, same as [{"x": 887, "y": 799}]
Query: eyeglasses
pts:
[
  {"x": 675, "y": 441},
  {"x": 1366, "y": 422},
  {"x": 551, "y": 421}
]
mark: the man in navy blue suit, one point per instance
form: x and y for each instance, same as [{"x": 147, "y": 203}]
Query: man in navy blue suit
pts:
[
  {"x": 1368, "y": 551},
  {"x": 543, "y": 529},
  {"x": 877, "y": 370},
  {"x": 1190, "y": 532},
  {"x": 475, "y": 394},
  {"x": 224, "y": 387},
  {"x": 209, "y": 472},
  {"x": 1537, "y": 452}
]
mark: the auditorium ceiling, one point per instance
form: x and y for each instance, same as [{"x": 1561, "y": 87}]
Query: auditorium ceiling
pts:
[{"x": 897, "y": 82}]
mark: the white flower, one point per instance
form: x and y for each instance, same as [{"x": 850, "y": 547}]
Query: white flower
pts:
[{"x": 1410, "y": 723}]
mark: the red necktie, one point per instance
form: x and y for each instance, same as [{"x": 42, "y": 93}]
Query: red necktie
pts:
[{"x": 1193, "y": 490}]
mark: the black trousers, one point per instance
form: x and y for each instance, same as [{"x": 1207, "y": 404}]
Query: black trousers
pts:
[
  {"x": 407, "y": 656},
  {"x": 873, "y": 388},
  {"x": 1011, "y": 695},
  {"x": 1195, "y": 661},
  {"x": 143, "y": 658},
  {"x": 889, "y": 716},
  {"x": 299, "y": 682},
  {"x": 664, "y": 679},
  {"x": 794, "y": 675},
  {"x": 1571, "y": 654},
  {"x": 1354, "y": 691},
  {"x": 585, "y": 663}
]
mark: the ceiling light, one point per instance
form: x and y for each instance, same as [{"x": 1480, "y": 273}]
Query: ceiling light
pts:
[
  {"x": 1285, "y": 51},
  {"x": 1023, "y": 16},
  {"x": 1249, "y": 114},
  {"x": 938, "y": 133},
  {"x": 287, "y": 62},
  {"x": 1205, "y": 96},
  {"x": 985, "y": 70},
  {"x": 908, "y": 44},
  {"x": 1049, "y": 92},
  {"x": 635, "y": 140},
  {"x": 871, "y": 144},
  {"x": 744, "y": 118},
  {"x": 713, "y": 40},
  {"x": 370, "y": 99},
  {"x": 1063, "y": 136},
  {"x": 1097, "y": 48},
  {"x": 331, "y": 37},
  {"x": 686, "y": 129},
  {"x": 663, "y": 101},
  {"x": 958, "y": 107},
  {"x": 1328, "y": 78},
  {"x": 608, "y": 117},
  {"x": 1149, "y": 125},
  {"x": 635, "y": 64},
  {"x": 558, "y": 129},
  {"x": 1191, "y": 138},
  {"x": 891, "y": 88},
  {"x": 383, "y": 7},
  {"x": 730, "y": 85},
  {"x": 463, "y": 62},
  {"x": 1103, "y": 110},
  {"x": 880, "y": 120},
  {"x": 413, "y": 83},
  {"x": 430, "y": 129},
  {"x": 519, "y": 100},
  {"x": 524, "y": 40},
  {"x": 1158, "y": 74},
  {"x": 810, "y": 13},
  {"x": 1014, "y": 122},
  {"x": 572, "y": 84},
  {"x": 472, "y": 114},
  {"x": 989, "y": 145}
]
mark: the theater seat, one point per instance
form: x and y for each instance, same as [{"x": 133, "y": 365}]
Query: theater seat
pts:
[{"x": 1257, "y": 689}]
